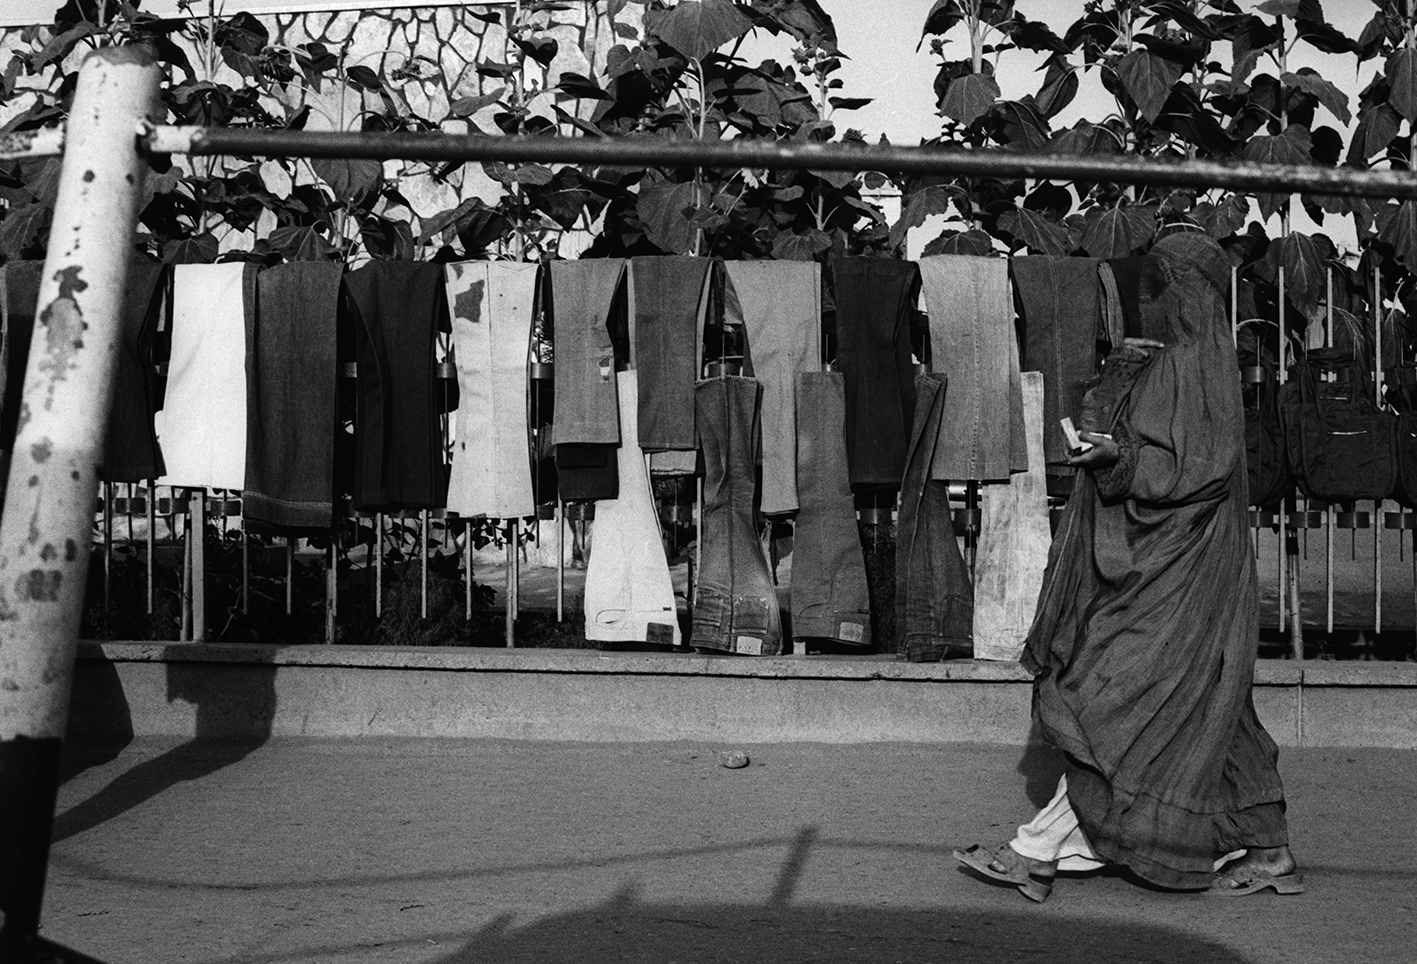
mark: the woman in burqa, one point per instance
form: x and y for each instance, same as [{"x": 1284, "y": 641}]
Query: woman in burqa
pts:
[{"x": 1145, "y": 637}]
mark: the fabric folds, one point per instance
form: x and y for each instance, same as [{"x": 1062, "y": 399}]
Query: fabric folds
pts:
[
  {"x": 584, "y": 296},
  {"x": 972, "y": 342},
  {"x": 291, "y": 397},
  {"x": 397, "y": 308},
  {"x": 493, "y": 304},
  {"x": 934, "y": 597},
  {"x": 780, "y": 303},
  {"x": 830, "y": 598},
  {"x": 629, "y": 594},
  {"x": 131, "y": 452},
  {"x": 669, "y": 296},
  {"x": 875, "y": 303},
  {"x": 202, "y": 426},
  {"x": 735, "y": 602}
]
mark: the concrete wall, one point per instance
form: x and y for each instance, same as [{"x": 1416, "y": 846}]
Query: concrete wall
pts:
[{"x": 217, "y": 690}]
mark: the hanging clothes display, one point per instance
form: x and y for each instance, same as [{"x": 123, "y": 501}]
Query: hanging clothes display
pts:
[
  {"x": 397, "y": 309},
  {"x": 19, "y": 296},
  {"x": 1060, "y": 305},
  {"x": 131, "y": 452},
  {"x": 585, "y": 295},
  {"x": 1127, "y": 275},
  {"x": 972, "y": 342},
  {"x": 291, "y": 397},
  {"x": 669, "y": 301},
  {"x": 735, "y": 603},
  {"x": 830, "y": 598},
  {"x": 629, "y": 595},
  {"x": 202, "y": 425},
  {"x": 1014, "y": 538},
  {"x": 875, "y": 303},
  {"x": 780, "y": 305},
  {"x": 493, "y": 305},
  {"x": 934, "y": 598}
]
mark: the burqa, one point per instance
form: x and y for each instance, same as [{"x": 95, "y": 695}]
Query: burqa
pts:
[{"x": 1145, "y": 637}]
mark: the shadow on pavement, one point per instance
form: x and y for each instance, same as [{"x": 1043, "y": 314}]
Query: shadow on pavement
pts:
[{"x": 240, "y": 699}]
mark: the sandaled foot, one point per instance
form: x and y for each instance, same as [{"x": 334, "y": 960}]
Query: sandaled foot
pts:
[
  {"x": 1271, "y": 868},
  {"x": 1033, "y": 878}
]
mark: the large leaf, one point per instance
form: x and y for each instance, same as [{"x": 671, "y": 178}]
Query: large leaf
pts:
[
  {"x": 1402, "y": 75},
  {"x": 1309, "y": 81},
  {"x": 1225, "y": 218},
  {"x": 665, "y": 209},
  {"x": 1060, "y": 86},
  {"x": 969, "y": 97},
  {"x": 1325, "y": 37},
  {"x": 921, "y": 205},
  {"x": 349, "y": 178},
  {"x": 1040, "y": 235},
  {"x": 943, "y": 15},
  {"x": 1084, "y": 138},
  {"x": 973, "y": 242},
  {"x": 1120, "y": 231},
  {"x": 467, "y": 106},
  {"x": 801, "y": 247},
  {"x": 198, "y": 249},
  {"x": 1290, "y": 147},
  {"x": 696, "y": 28},
  {"x": 1400, "y": 231},
  {"x": 1020, "y": 124},
  {"x": 1377, "y": 126},
  {"x": 1147, "y": 79},
  {"x": 535, "y": 175},
  {"x": 303, "y": 243},
  {"x": 22, "y": 228},
  {"x": 1304, "y": 272}
]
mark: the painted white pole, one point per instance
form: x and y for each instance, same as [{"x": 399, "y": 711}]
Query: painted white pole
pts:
[{"x": 47, "y": 528}]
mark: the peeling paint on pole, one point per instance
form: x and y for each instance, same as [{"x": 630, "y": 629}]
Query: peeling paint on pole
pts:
[{"x": 47, "y": 525}]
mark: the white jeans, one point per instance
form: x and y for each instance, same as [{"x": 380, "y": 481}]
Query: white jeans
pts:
[{"x": 1054, "y": 835}]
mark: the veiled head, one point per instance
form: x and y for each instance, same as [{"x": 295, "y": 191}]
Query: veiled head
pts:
[{"x": 1183, "y": 289}]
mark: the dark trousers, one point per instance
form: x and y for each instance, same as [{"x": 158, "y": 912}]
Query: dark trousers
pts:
[{"x": 735, "y": 603}]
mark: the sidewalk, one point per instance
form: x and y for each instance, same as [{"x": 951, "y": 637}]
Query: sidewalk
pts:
[{"x": 480, "y": 851}]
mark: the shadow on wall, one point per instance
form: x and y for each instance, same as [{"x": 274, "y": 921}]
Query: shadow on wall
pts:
[
  {"x": 229, "y": 698},
  {"x": 626, "y": 930}
]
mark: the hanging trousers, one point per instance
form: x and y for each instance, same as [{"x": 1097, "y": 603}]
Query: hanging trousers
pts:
[
  {"x": 203, "y": 420},
  {"x": 493, "y": 304},
  {"x": 19, "y": 296},
  {"x": 584, "y": 295},
  {"x": 781, "y": 307},
  {"x": 668, "y": 322},
  {"x": 1127, "y": 275},
  {"x": 131, "y": 452},
  {"x": 934, "y": 596},
  {"x": 1060, "y": 303},
  {"x": 735, "y": 603},
  {"x": 830, "y": 598},
  {"x": 875, "y": 302},
  {"x": 972, "y": 342},
  {"x": 398, "y": 309},
  {"x": 629, "y": 595},
  {"x": 291, "y": 399}
]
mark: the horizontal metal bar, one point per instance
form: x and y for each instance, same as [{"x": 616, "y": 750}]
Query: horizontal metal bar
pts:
[
  {"x": 42, "y": 143},
  {"x": 782, "y": 155}
]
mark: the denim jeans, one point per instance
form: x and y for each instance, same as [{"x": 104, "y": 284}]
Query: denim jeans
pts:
[
  {"x": 934, "y": 596},
  {"x": 492, "y": 305},
  {"x": 829, "y": 593},
  {"x": 587, "y": 473},
  {"x": 669, "y": 301},
  {"x": 629, "y": 596},
  {"x": 875, "y": 302},
  {"x": 735, "y": 602},
  {"x": 972, "y": 343},
  {"x": 584, "y": 295},
  {"x": 292, "y": 397},
  {"x": 202, "y": 427},
  {"x": 131, "y": 452},
  {"x": 780, "y": 303},
  {"x": 1060, "y": 302},
  {"x": 398, "y": 307}
]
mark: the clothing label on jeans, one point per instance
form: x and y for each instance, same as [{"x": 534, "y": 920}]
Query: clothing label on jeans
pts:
[
  {"x": 750, "y": 645},
  {"x": 851, "y": 632},
  {"x": 659, "y": 633}
]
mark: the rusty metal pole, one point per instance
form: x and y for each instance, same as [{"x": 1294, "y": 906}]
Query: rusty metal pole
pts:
[{"x": 47, "y": 528}]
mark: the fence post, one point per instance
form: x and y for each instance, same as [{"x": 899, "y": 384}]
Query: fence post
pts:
[{"x": 46, "y": 531}]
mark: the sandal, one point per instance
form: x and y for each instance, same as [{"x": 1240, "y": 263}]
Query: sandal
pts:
[
  {"x": 1011, "y": 867},
  {"x": 1237, "y": 881}
]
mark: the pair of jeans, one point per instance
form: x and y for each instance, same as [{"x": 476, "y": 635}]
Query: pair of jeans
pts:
[
  {"x": 735, "y": 602},
  {"x": 291, "y": 397},
  {"x": 1060, "y": 306},
  {"x": 587, "y": 473},
  {"x": 585, "y": 295},
  {"x": 202, "y": 427},
  {"x": 830, "y": 598},
  {"x": 669, "y": 301},
  {"x": 875, "y": 304},
  {"x": 780, "y": 305},
  {"x": 629, "y": 595},
  {"x": 131, "y": 452},
  {"x": 934, "y": 596},
  {"x": 492, "y": 304},
  {"x": 398, "y": 309},
  {"x": 973, "y": 343}
]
